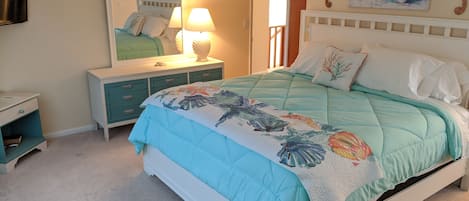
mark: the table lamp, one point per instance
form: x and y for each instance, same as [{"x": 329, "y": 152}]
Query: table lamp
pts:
[
  {"x": 176, "y": 22},
  {"x": 200, "y": 21}
]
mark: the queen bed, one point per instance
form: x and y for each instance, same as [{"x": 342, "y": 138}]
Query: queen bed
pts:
[{"x": 256, "y": 148}]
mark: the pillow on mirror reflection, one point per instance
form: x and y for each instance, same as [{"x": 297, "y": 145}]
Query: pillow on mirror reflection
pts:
[
  {"x": 170, "y": 33},
  {"x": 134, "y": 24},
  {"x": 154, "y": 26}
]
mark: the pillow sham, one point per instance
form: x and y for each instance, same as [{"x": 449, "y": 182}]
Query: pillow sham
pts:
[
  {"x": 390, "y": 70},
  {"x": 154, "y": 26},
  {"x": 310, "y": 57},
  {"x": 442, "y": 84},
  {"x": 134, "y": 24},
  {"x": 338, "y": 68}
]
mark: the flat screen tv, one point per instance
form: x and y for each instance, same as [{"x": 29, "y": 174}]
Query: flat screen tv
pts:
[{"x": 13, "y": 11}]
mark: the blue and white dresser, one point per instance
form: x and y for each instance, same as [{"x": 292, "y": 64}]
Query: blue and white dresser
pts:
[{"x": 116, "y": 93}]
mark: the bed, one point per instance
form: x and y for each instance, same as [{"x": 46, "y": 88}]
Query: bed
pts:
[
  {"x": 409, "y": 138},
  {"x": 134, "y": 47}
]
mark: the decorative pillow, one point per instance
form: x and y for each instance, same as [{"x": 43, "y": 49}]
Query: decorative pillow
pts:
[
  {"x": 338, "y": 68},
  {"x": 310, "y": 57},
  {"x": 396, "y": 71},
  {"x": 134, "y": 24},
  {"x": 154, "y": 26}
]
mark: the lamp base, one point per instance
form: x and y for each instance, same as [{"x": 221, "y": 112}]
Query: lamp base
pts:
[{"x": 201, "y": 46}]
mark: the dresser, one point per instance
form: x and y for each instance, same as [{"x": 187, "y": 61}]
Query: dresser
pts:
[
  {"x": 116, "y": 93},
  {"x": 19, "y": 116}
]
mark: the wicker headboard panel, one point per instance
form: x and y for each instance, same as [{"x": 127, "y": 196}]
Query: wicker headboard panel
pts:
[
  {"x": 158, "y": 7},
  {"x": 444, "y": 38}
]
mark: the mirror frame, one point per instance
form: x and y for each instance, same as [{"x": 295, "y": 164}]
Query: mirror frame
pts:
[{"x": 132, "y": 62}]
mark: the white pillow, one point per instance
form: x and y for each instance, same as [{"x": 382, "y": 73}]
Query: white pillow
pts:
[
  {"x": 390, "y": 70},
  {"x": 462, "y": 71},
  {"x": 310, "y": 57},
  {"x": 338, "y": 68},
  {"x": 446, "y": 87},
  {"x": 170, "y": 33},
  {"x": 134, "y": 24},
  {"x": 154, "y": 26}
]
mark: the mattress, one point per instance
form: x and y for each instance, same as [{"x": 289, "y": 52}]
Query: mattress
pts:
[
  {"x": 407, "y": 138},
  {"x": 134, "y": 47}
]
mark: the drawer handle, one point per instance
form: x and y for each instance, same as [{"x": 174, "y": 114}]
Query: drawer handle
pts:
[
  {"x": 129, "y": 111},
  {"x": 205, "y": 74},
  {"x": 21, "y": 111},
  {"x": 127, "y": 86},
  {"x": 169, "y": 80},
  {"x": 127, "y": 97}
]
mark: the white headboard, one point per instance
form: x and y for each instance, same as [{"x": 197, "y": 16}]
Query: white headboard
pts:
[
  {"x": 158, "y": 7},
  {"x": 443, "y": 38}
]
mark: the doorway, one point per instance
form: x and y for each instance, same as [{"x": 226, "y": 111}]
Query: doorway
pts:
[{"x": 274, "y": 25}]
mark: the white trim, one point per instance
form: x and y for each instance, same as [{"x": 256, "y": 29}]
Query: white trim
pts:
[{"x": 71, "y": 131}]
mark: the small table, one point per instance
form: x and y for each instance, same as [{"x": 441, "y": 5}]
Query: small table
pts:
[{"x": 19, "y": 115}]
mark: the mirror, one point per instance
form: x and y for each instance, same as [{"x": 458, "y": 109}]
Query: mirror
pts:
[{"x": 144, "y": 29}]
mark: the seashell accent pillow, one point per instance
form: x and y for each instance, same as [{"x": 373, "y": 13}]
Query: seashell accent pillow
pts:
[{"x": 338, "y": 68}]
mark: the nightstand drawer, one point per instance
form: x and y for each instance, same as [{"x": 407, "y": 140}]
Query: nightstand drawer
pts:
[
  {"x": 205, "y": 75},
  {"x": 18, "y": 111},
  {"x": 163, "y": 82},
  {"x": 123, "y": 112}
]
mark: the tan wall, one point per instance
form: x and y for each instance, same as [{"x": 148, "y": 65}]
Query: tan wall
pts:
[
  {"x": 230, "y": 41},
  {"x": 50, "y": 54},
  {"x": 438, "y": 9}
]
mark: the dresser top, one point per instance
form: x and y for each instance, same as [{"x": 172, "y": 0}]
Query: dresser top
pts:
[
  {"x": 179, "y": 64},
  {"x": 10, "y": 99}
]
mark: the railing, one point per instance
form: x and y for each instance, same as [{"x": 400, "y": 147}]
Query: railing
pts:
[{"x": 276, "y": 46}]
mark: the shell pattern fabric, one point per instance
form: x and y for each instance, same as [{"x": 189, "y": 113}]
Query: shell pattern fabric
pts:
[{"x": 304, "y": 141}]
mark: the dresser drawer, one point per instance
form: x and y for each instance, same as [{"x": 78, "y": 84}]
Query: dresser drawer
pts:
[
  {"x": 123, "y": 112},
  {"x": 167, "y": 81},
  {"x": 205, "y": 75},
  {"x": 126, "y": 86},
  {"x": 135, "y": 97},
  {"x": 18, "y": 111}
]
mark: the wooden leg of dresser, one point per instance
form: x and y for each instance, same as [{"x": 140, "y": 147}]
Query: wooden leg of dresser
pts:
[{"x": 106, "y": 133}]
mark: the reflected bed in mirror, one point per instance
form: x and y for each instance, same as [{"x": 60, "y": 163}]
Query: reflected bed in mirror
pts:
[{"x": 142, "y": 29}]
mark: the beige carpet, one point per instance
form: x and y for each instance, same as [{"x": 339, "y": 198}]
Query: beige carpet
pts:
[{"x": 85, "y": 168}]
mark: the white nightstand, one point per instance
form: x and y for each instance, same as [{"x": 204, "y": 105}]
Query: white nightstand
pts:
[
  {"x": 116, "y": 93},
  {"x": 19, "y": 115}
]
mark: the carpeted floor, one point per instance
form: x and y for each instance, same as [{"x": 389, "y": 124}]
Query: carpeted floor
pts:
[{"x": 84, "y": 168}]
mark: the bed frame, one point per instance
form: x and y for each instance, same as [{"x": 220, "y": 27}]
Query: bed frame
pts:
[{"x": 437, "y": 37}]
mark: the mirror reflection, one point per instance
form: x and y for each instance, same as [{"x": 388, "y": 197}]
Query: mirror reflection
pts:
[{"x": 146, "y": 28}]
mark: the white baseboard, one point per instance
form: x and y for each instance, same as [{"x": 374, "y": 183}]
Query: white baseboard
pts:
[{"x": 71, "y": 131}]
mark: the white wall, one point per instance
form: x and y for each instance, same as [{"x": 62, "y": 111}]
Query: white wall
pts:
[
  {"x": 122, "y": 9},
  {"x": 50, "y": 54}
]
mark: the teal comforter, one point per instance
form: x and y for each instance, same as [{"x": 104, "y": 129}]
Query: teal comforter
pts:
[
  {"x": 407, "y": 137},
  {"x": 135, "y": 47}
]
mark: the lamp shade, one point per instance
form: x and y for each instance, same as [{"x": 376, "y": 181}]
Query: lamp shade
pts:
[
  {"x": 176, "y": 18},
  {"x": 200, "y": 20}
]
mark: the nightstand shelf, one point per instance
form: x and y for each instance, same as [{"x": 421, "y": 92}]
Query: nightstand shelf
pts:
[
  {"x": 116, "y": 93},
  {"x": 19, "y": 115}
]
